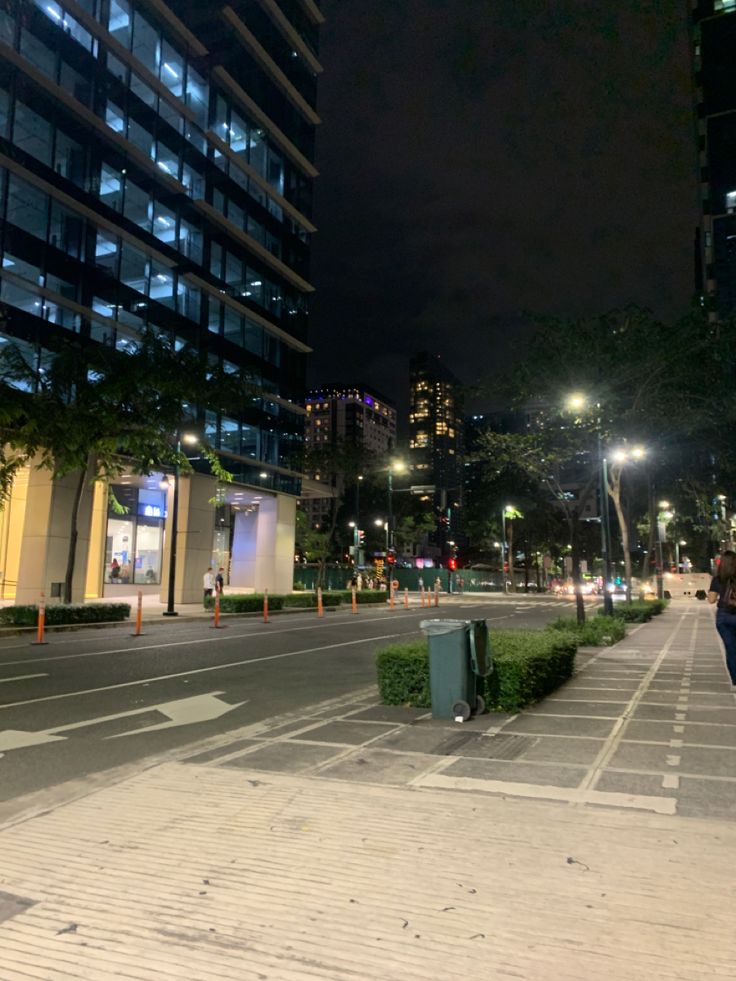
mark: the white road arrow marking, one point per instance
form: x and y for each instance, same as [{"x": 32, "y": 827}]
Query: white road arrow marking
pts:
[
  {"x": 182, "y": 712},
  {"x": 187, "y": 711}
]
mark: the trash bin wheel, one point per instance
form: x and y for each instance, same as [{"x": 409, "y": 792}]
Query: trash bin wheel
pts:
[
  {"x": 480, "y": 705},
  {"x": 461, "y": 709}
]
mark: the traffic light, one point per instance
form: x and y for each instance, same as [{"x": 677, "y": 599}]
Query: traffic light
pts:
[
  {"x": 361, "y": 537},
  {"x": 391, "y": 558},
  {"x": 452, "y": 564}
]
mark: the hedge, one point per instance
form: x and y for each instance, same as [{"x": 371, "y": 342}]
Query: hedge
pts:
[
  {"x": 27, "y": 615},
  {"x": 253, "y": 602},
  {"x": 595, "y": 632},
  {"x": 527, "y": 665},
  {"x": 365, "y": 596},
  {"x": 639, "y": 611}
]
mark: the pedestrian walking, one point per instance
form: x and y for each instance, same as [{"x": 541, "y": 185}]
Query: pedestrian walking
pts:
[
  {"x": 220, "y": 580},
  {"x": 208, "y": 583},
  {"x": 722, "y": 591}
]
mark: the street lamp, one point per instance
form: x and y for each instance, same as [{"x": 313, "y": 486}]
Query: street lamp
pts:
[
  {"x": 190, "y": 439},
  {"x": 396, "y": 466},
  {"x": 507, "y": 510},
  {"x": 620, "y": 457},
  {"x": 577, "y": 402},
  {"x": 380, "y": 523},
  {"x": 678, "y": 543}
]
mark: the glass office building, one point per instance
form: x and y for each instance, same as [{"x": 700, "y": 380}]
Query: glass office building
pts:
[
  {"x": 714, "y": 46},
  {"x": 156, "y": 169}
]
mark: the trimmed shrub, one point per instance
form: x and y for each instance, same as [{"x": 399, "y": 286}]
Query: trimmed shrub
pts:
[
  {"x": 253, "y": 602},
  {"x": 56, "y": 615},
  {"x": 595, "y": 632},
  {"x": 638, "y": 611},
  {"x": 365, "y": 596},
  {"x": 403, "y": 674},
  {"x": 244, "y": 602},
  {"x": 527, "y": 665},
  {"x": 309, "y": 600}
]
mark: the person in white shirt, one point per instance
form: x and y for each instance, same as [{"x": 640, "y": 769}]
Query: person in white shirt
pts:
[{"x": 208, "y": 584}]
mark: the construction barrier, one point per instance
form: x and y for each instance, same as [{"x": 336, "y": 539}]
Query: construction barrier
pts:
[
  {"x": 139, "y": 616},
  {"x": 41, "y": 620},
  {"x": 216, "y": 624}
]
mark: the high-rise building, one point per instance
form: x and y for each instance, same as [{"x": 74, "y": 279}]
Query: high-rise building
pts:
[
  {"x": 156, "y": 166},
  {"x": 436, "y": 440},
  {"x": 714, "y": 41},
  {"x": 355, "y": 414}
]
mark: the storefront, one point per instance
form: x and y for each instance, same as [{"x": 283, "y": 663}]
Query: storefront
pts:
[{"x": 135, "y": 534}]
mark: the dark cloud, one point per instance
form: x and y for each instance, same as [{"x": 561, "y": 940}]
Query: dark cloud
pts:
[{"x": 481, "y": 159}]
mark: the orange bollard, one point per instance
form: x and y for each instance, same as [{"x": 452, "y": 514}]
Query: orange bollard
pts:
[
  {"x": 436, "y": 595},
  {"x": 391, "y": 596},
  {"x": 406, "y": 599},
  {"x": 265, "y": 606},
  {"x": 320, "y": 607},
  {"x": 41, "y": 620},
  {"x": 138, "y": 616},
  {"x": 422, "y": 596},
  {"x": 355, "y": 600}
]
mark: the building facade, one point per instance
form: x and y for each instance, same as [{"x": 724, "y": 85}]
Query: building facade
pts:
[
  {"x": 156, "y": 167},
  {"x": 354, "y": 414},
  {"x": 436, "y": 442},
  {"x": 714, "y": 44}
]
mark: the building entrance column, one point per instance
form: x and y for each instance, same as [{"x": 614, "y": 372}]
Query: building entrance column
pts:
[
  {"x": 196, "y": 523},
  {"x": 45, "y": 538}
]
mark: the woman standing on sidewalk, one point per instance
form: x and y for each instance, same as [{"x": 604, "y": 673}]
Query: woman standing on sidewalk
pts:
[{"x": 723, "y": 591}]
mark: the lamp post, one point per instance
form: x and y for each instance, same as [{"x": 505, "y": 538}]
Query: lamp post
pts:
[
  {"x": 190, "y": 439},
  {"x": 619, "y": 458},
  {"x": 396, "y": 466},
  {"x": 510, "y": 512},
  {"x": 577, "y": 403},
  {"x": 663, "y": 509},
  {"x": 605, "y": 529},
  {"x": 678, "y": 543}
]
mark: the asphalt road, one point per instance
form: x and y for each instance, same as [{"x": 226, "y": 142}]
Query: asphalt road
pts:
[{"x": 93, "y": 700}]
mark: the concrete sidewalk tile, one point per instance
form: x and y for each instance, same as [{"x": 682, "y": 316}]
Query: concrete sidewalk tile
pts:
[{"x": 302, "y": 880}]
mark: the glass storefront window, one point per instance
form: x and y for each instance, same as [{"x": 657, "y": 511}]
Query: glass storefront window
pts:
[{"x": 134, "y": 544}]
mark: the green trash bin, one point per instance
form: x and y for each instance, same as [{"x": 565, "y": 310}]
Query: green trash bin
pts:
[{"x": 459, "y": 654}]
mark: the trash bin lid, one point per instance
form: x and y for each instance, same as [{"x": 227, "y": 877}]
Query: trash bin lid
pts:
[{"x": 434, "y": 628}]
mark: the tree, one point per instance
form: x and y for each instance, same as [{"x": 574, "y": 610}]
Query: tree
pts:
[
  {"x": 338, "y": 467},
  {"x": 539, "y": 458},
  {"x": 411, "y": 529},
  {"x": 666, "y": 385},
  {"x": 96, "y": 411}
]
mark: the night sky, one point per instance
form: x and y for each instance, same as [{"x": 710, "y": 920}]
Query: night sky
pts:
[{"x": 482, "y": 160}]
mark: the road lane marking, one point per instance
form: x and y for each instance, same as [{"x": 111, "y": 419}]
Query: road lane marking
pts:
[
  {"x": 219, "y": 639},
  {"x": 214, "y": 667},
  {"x": 181, "y": 712},
  {"x": 22, "y": 677}
]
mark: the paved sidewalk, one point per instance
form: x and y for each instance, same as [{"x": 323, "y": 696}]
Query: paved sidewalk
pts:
[{"x": 323, "y": 847}]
